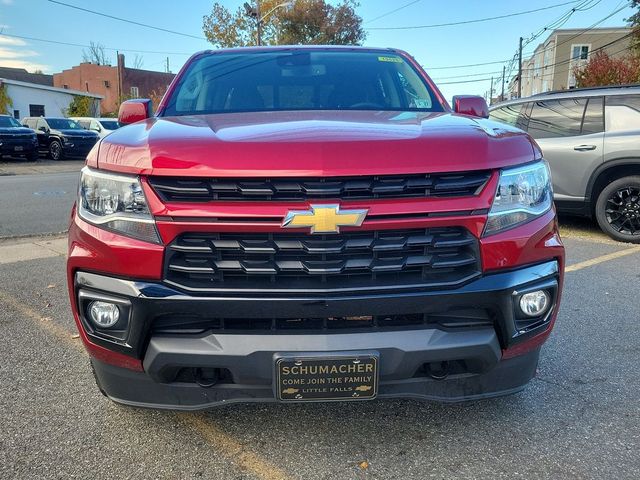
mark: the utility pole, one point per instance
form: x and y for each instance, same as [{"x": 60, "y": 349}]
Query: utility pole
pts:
[
  {"x": 259, "y": 26},
  {"x": 491, "y": 92},
  {"x": 520, "y": 69},
  {"x": 168, "y": 71},
  {"x": 503, "y": 72}
]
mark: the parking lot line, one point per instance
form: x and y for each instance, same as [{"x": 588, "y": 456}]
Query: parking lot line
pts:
[
  {"x": 231, "y": 448},
  {"x": 219, "y": 441},
  {"x": 601, "y": 259},
  {"x": 44, "y": 322}
]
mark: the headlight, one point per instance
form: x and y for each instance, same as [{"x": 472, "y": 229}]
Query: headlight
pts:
[
  {"x": 524, "y": 193},
  {"x": 116, "y": 202}
]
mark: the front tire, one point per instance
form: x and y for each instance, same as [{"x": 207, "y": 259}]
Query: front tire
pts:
[
  {"x": 55, "y": 150},
  {"x": 618, "y": 209}
]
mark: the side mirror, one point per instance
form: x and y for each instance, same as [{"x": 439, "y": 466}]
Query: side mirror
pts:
[
  {"x": 472, "y": 105},
  {"x": 96, "y": 129},
  {"x": 133, "y": 111},
  {"x": 43, "y": 129}
]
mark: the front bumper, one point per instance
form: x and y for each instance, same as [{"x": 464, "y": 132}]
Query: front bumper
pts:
[{"x": 482, "y": 369}]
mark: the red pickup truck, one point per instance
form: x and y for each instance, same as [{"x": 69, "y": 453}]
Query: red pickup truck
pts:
[{"x": 311, "y": 224}]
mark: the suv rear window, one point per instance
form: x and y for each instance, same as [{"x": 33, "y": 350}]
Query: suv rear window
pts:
[
  {"x": 564, "y": 117},
  {"x": 300, "y": 80},
  {"x": 623, "y": 112},
  {"x": 510, "y": 114}
]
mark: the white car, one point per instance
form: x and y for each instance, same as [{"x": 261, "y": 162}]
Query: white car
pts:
[{"x": 102, "y": 126}]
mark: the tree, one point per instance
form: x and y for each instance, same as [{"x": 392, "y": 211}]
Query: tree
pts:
[
  {"x": 294, "y": 22},
  {"x": 318, "y": 22},
  {"x": 138, "y": 61},
  {"x": 603, "y": 70},
  {"x": 6, "y": 104},
  {"x": 634, "y": 23},
  {"x": 96, "y": 54},
  {"x": 80, "y": 106}
]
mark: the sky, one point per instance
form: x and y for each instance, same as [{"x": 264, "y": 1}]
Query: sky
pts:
[{"x": 437, "y": 48}]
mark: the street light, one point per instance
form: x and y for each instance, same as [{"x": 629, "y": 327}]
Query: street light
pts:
[{"x": 255, "y": 13}]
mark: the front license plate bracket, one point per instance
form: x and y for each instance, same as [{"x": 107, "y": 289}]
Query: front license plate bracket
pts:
[{"x": 303, "y": 378}]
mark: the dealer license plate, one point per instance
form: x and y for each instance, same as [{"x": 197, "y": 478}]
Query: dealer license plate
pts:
[
  {"x": 327, "y": 378},
  {"x": 18, "y": 148}
]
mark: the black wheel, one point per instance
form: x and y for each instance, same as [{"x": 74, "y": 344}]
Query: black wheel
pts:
[
  {"x": 618, "y": 209},
  {"x": 55, "y": 150}
]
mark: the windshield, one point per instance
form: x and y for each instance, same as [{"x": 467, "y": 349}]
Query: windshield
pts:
[
  {"x": 300, "y": 80},
  {"x": 9, "y": 122},
  {"x": 63, "y": 124},
  {"x": 110, "y": 124}
]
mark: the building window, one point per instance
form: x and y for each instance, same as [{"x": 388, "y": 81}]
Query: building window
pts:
[
  {"x": 579, "y": 52},
  {"x": 86, "y": 86},
  {"x": 107, "y": 84},
  {"x": 65, "y": 86},
  {"x": 36, "y": 110},
  {"x": 134, "y": 92},
  {"x": 16, "y": 114},
  {"x": 579, "y": 58}
]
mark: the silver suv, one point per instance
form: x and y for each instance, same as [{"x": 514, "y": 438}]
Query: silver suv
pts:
[{"x": 591, "y": 138}]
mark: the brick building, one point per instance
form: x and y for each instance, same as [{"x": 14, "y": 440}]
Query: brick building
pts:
[{"x": 114, "y": 84}]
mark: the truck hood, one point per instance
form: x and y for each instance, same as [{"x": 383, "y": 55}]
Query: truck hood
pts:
[
  {"x": 15, "y": 131},
  {"x": 322, "y": 143}
]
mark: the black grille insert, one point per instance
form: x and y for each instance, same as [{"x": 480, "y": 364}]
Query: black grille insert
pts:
[
  {"x": 172, "y": 189},
  {"x": 298, "y": 262}
]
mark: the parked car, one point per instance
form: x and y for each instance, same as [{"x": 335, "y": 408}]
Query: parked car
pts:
[
  {"x": 61, "y": 137},
  {"x": 312, "y": 223},
  {"x": 591, "y": 139},
  {"x": 102, "y": 126},
  {"x": 16, "y": 140}
]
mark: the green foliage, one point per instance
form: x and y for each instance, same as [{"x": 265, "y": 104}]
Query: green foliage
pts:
[
  {"x": 303, "y": 22},
  {"x": 6, "y": 104},
  {"x": 80, "y": 106},
  {"x": 634, "y": 23}
]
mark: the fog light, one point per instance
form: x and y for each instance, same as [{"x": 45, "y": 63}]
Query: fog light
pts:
[
  {"x": 104, "y": 314},
  {"x": 534, "y": 304}
]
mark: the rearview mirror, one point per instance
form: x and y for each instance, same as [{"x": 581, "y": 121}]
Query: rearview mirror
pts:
[
  {"x": 472, "y": 105},
  {"x": 133, "y": 111}
]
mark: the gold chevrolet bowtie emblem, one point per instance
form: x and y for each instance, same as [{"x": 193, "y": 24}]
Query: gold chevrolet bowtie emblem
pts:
[{"x": 324, "y": 218}]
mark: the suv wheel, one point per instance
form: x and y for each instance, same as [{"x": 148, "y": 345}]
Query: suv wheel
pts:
[
  {"x": 55, "y": 150},
  {"x": 618, "y": 209}
]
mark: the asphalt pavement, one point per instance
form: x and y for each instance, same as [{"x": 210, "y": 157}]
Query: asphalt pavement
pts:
[
  {"x": 36, "y": 203},
  {"x": 579, "y": 419}
]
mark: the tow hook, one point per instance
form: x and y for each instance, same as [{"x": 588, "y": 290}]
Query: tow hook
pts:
[{"x": 437, "y": 370}]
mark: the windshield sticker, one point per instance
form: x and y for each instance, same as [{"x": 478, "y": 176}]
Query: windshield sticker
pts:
[{"x": 390, "y": 59}]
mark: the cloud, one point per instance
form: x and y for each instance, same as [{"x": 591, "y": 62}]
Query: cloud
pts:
[
  {"x": 8, "y": 53},
  {"x": 14, "y": 55},
  {"x": 6, "y": 2},
  {"x": 16, "y": 42},
  {"x": 29, "y": 66}
]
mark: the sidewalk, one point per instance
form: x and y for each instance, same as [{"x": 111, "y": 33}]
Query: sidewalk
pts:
[{"x": 22, "y": 167}]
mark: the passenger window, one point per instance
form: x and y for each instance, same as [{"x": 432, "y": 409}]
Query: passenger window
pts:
[
  {"x": 40, "y": 124},
  {"x": 509, "y": 114},
  {"x": 557, "y": 118},
  {"x": 593, "y": 118},
  {"x": 623, "y": 112}
]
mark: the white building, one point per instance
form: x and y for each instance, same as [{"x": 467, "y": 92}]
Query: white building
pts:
[{"x": 34, "y": 100}]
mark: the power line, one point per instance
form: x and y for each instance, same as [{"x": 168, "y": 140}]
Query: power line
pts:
[
  {"x": 562, "y": 62},
  {"x": 392, "y": 11},
  {"x": 56, "y": 42},
  {"x": 581, "y": 32},
  {"x": 477, "y": 20},
  {"x": 93, "y": 12}
]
